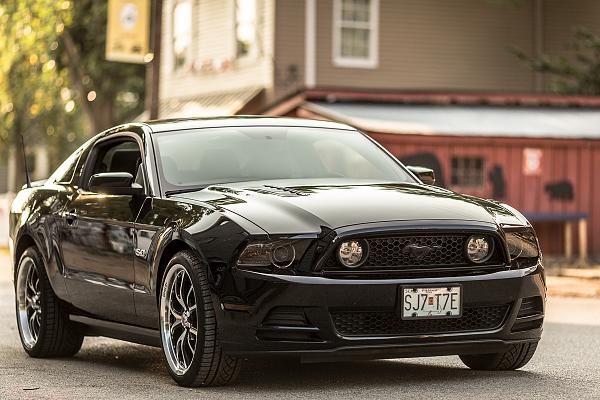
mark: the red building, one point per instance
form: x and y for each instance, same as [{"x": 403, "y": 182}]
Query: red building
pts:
[{"x": 538, "y": 153}]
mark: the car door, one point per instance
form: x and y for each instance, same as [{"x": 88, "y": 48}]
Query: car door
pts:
[{"x": 97, "y": 239}]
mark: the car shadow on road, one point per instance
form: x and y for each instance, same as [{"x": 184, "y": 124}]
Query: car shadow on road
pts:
[
  {"x": 289, "y": 374},
  {"x": 277, "y": 374}
]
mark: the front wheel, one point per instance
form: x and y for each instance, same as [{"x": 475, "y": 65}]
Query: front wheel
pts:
[
  {"x": 514, "y": 358},
  {"x": 188, "y": 326}
]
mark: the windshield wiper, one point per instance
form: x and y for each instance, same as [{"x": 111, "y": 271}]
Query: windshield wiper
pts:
[{"x": 187, "y": 190}]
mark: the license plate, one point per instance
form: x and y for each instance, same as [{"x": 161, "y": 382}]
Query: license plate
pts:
[{"x": 431, "y": 302}]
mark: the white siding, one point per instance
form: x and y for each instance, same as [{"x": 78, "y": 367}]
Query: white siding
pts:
[{"x": 214, "y": 41}]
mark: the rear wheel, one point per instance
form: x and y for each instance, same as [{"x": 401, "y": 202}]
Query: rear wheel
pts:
[
  {"x": 188, "y": 326},
  {"x": 44, "y": 325},
  {"x": 514, "y": 358}
]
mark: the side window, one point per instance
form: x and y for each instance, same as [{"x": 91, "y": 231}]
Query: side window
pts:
[
  {"x": 66, "y": 172},
  {"x": 182, "y": 34},
  {"x": 246, "y": 35},
  {"x": 116, "y": 156}
]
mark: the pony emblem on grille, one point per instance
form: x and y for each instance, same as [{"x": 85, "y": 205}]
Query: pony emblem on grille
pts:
[{"x": 417, "y": 251}]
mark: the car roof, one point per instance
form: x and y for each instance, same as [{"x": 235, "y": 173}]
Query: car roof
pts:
[{"x": 166, "y": 125}]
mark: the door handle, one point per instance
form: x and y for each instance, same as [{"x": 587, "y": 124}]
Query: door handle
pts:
[{"x": 70, "y": 217}]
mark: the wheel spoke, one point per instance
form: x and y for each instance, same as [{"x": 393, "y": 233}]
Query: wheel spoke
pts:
[
  {"x": 34, "y": 324},
  {"x": 175, "y": 325},
  {"x": 179, "y": 351},
  {"x": 30, "y": 284},
  {"x": 178, "y": 288},
  {"x": 174, "y": 313},
  {"x": 190, "y": 346},
  {"x": 190, "y": 295}
]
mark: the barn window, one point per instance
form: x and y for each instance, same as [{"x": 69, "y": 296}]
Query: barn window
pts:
[
  {"x": 467, "y": 171},
  {"x": 355, "y": 33}
]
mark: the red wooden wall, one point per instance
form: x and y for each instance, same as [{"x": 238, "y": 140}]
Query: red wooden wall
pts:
[{"x": 574, "y": 160}]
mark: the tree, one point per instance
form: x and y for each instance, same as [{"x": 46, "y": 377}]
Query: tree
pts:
[
  {"x": 108, "y": 92},
  {"x": 56, "y": 87},
  {"x": 34, "y": 100},
  {"x": 577, "y": 75}
]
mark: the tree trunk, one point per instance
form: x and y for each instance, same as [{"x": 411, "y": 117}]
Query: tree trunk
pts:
[
  {"x": 16, "y": 166},
  {"x": 103, "y": 114},
  {"x": 76, "y": 77}
]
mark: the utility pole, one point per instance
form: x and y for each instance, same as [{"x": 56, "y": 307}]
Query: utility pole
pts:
[{"x": 153, "y": 67}]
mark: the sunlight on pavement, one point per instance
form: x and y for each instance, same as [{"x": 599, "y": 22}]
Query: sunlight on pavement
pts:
[
  {"x": 569, "y": 310},
  {"x": 4, "y": 265}
]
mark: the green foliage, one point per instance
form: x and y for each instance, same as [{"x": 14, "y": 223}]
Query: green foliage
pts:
[
  {"x": 55, "y": 85},
  {"x": 33, "y": 92},
  {"x": 579, "y": 74}
]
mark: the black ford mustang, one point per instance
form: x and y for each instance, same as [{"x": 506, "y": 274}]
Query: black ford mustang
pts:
[{"x": 219, "y": 239}]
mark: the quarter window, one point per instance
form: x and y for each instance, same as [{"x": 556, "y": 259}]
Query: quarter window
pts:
[
  {"x": 182, "y": 33},
  {"x": 246, "y": 38},
  {"x": 68, "y": 169},
  {"x": 467, "y": 172},
  {"x": 355, "y": 33}
]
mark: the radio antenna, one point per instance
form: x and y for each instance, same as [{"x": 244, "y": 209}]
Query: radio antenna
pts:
[{"x": 27, "y": 178}]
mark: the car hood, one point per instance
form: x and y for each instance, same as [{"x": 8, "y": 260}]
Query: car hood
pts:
[{"x": 285, "y": 208}]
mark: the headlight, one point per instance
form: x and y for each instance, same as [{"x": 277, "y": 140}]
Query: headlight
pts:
[
  {"x": 479, "y": 248},
  {"x": 522, "y": 244},
  {"x": 352, "y": 253},
  {"x": 280, "y": 254}
]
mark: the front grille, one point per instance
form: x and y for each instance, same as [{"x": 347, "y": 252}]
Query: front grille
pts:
[
  {"x": 419, "y": 253},
  {"x": 378, "y": 323},
  {"x": 388, "y": 252}
]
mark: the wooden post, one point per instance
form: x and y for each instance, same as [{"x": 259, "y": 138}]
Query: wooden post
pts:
[
  {"x": 583, "y": 247},
  {"x": 568, "y": 240},
  {"x": 153, "y": 68}
]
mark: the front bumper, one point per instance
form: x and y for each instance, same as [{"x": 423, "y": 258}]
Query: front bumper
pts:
[{"x": 251, "y": 330}]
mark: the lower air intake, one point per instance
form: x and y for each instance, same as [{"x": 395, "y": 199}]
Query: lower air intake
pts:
[{"x": 379, "y": 323}]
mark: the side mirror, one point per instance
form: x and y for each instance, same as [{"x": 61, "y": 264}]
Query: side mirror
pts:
[
  {"x": 426, "y": 175},
  {"x": 119, "y": 183}
]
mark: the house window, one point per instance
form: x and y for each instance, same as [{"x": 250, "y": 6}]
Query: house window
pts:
[
  {"x": 355, "y": 33},
  {"x": 467, "y": 172},
  {"x": 182, "y": 33},
  {"x": 246, "y": 37}
]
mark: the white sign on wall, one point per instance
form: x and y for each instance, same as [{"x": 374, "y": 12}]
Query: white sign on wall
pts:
[{"x": 532, "y": 162}]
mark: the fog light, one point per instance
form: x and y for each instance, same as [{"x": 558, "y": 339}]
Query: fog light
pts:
[
  {"x": 479, "y": 249},
  {"x": 283, "y": 256},
  {"x": 352, "y": 253}
]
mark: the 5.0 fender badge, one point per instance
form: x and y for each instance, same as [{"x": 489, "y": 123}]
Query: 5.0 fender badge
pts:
[{"x": 140, "y": 253}]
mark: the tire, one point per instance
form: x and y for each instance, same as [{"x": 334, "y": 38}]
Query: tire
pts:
[
  {"x": 192, "y": 359},
  {"x": 53, "y": 335},
  {"x": 514, "y": 358}
]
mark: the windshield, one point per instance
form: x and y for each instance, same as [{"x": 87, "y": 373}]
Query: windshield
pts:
[{"x": 201, "y": 157}]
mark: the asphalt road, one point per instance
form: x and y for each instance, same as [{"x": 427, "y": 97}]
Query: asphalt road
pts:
[{"x": 567, "y": 365}]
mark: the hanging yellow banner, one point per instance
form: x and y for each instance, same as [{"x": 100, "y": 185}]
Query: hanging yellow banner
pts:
[{"x": 128, "y": 30}]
